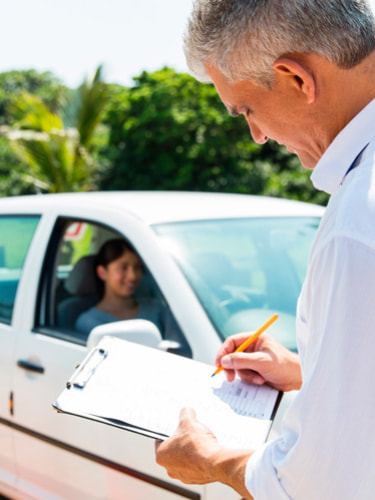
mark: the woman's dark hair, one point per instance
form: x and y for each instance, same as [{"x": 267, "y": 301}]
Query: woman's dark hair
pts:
[{"x": 112, "y": 250}]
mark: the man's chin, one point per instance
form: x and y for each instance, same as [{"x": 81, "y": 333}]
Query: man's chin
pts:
[{"x": 307, "y": 163}]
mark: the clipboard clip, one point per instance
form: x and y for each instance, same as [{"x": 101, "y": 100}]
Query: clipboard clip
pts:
[{"x": 85, "y": 371}]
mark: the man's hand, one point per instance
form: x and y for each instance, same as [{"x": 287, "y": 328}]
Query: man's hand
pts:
[
  {"x": 194, "y": 456},
  {"x": 265, "y": 361},
  {"x": 187, "y": 454}
]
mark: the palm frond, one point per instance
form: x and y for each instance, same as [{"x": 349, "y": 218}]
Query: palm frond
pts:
[
  {"x": 58, "y": 157},
  {"x": 31, "y": 113},
  {"x": 93, "y": 98}
]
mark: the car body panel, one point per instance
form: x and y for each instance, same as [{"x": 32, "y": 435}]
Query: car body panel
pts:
[
  {"x": 7, "y": 357},
  {"x": 46, "y": 455}
]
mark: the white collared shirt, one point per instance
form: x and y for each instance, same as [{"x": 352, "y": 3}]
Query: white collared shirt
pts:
[{"x": 327, "y": 447}]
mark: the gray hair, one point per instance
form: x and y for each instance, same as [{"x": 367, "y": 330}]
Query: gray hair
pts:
[{"x": 243, "y": 38}]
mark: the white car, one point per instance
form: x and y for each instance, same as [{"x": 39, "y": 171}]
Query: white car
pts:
[{"x": 219, "y": 264}]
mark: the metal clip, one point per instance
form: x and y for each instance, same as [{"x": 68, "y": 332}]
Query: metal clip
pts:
[{"x": 85, "y": 370}]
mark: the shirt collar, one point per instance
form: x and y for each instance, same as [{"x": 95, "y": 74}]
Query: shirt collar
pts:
[{"x": 331, "y": 169}]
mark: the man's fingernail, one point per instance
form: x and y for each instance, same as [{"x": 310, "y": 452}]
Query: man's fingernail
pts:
[{"x": 226, "y": 362}]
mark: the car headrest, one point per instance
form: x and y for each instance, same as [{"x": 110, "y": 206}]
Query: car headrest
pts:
[{"x": 82, "y": 278}]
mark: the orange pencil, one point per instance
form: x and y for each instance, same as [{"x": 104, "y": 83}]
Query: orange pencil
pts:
[{"x": 250, "y": 339}]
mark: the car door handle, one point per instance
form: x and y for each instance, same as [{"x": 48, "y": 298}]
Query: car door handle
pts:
[{"x": 30, "y": 366}]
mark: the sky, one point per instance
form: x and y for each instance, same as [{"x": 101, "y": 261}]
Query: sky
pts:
[{"x": 71, "y": 38}]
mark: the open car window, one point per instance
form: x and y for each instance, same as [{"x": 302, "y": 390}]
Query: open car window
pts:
[{"x": 69, "y": 284}]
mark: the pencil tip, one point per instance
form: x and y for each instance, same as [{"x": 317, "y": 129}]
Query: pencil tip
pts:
[{"x": 213, "y": 375}]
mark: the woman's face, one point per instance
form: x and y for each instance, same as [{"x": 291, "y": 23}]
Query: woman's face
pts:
[{"x": 122, "y": 276}]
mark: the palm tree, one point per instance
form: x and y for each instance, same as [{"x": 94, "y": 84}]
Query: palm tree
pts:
[{"x": 59, "y": 158}]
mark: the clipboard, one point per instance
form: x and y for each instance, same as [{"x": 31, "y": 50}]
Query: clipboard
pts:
[{"x": 142, "y": 389}]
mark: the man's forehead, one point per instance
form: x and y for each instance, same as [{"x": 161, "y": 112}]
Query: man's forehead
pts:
[{"x": 214, "y": 73}]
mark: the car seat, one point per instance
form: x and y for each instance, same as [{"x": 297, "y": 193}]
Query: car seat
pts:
[{"x": 82, "y": 286}]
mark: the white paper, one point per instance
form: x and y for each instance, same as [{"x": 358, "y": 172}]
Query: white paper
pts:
[{"x": 147, "y": 388}]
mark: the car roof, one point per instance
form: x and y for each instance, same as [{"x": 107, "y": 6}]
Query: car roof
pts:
[{"x": 167, "y": 206}]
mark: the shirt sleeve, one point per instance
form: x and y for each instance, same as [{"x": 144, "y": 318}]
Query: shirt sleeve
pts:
[{"x": 326, "y": 446}]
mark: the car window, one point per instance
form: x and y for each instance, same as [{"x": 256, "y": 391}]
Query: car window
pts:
[
  {"x": 243, "y": 270},
  {"x": 15, "y": 237},
  {"x": 70, "y": 286},
  {"x": 76, "y": 288}
]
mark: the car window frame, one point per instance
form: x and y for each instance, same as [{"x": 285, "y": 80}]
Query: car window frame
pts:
[{"x": 45, "y": 317}]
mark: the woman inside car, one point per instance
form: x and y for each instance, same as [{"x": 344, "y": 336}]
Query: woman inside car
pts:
[{"x": 119, "y": 270}]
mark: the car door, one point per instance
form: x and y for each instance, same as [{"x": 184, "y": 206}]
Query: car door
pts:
[
  {"x": 16, "y": 233},
  {"x": 60, "y": 456},
  {"x": 7, "y": 464}
]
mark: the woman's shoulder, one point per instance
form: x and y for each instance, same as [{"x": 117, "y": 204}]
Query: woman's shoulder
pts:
[
  {"x": 149, "y": 303},
  {"x": 93, "y": 312},
  {"x": 91, "y": 318}
]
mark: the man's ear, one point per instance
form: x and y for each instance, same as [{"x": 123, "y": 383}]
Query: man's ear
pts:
[
  {"x": 300, "y": 76},
  {"x": 101, "y": 272}
]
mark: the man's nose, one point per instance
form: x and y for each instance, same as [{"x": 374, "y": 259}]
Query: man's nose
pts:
[{"x": 256, "y": 132}]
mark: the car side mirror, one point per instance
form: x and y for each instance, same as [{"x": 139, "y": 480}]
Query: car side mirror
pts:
[{"x": 139, "y": 331}]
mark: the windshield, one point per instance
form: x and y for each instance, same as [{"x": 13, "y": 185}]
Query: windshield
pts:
[{"x": 244, "y": 270}]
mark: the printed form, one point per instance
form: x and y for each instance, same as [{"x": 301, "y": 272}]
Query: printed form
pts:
[{"x": 143, "y": 389}]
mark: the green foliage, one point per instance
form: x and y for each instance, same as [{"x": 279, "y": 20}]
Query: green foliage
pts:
[
  {"x": 167, "y": 131},
  {"x": 11, "y": 172},
  {"x": 44, "y": 85},
  {"x": 59, "y": 159},
  {"x": 171, "y": 132},
  {"x": 294, "y": 182},
  {"x": 92, "y": 98},
  {"x": 13, "y": 83}
]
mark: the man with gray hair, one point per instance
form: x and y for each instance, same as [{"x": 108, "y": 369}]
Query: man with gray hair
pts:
[{"x": 302, "y": 72}]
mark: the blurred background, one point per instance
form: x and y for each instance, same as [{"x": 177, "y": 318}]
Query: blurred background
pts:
[{"x": 96, "y": 96}]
